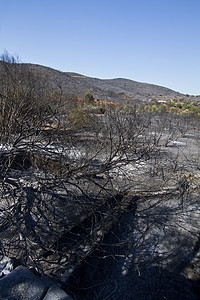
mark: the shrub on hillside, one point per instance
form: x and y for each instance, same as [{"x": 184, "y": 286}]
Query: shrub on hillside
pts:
[
  {"x": 79, "y": 118},
  {"x": 89, "y": 97}
]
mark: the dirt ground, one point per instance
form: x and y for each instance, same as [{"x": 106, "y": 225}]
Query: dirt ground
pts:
[
  {"x": 145, "y": 256},
  {"x": 153, "y": 251}
]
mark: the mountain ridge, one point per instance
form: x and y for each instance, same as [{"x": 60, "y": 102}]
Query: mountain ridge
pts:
[{"x": 115, "y": 89}]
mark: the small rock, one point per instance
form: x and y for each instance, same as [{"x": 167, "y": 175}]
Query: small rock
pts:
[
  {"x": 22, "y": 284},
  {"x": 6, "y": 265},
  {"x": 55, "y": 293}
]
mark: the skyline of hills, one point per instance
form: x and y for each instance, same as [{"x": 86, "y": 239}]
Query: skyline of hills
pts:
[{"x": 116, "y": 89}]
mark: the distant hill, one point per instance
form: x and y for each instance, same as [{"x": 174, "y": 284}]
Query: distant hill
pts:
[{"x": 118, "y": 89}]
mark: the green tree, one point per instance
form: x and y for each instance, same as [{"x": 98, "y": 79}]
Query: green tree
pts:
[
  {"x": 89, "y": 97},
  {"x": 79, "y": 118}
]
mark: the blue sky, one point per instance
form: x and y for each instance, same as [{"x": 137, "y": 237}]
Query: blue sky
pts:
[{"x": 154, "y": 41}]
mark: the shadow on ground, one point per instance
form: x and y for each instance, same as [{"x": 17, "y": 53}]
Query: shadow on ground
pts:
[{"x": 114, "y": 272}]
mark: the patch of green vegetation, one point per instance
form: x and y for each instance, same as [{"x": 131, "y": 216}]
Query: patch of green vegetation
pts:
[
  {"x": 89, "y": 97},
  {"x": 175, "y": 107},
  {"x": 79, "y": 117}
]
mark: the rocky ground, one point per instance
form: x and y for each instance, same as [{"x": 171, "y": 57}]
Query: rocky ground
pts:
[{"x": 20, "y": 283}]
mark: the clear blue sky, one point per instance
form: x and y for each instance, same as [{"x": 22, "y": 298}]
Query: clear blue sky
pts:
[{"x": 155, "y": 41}]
